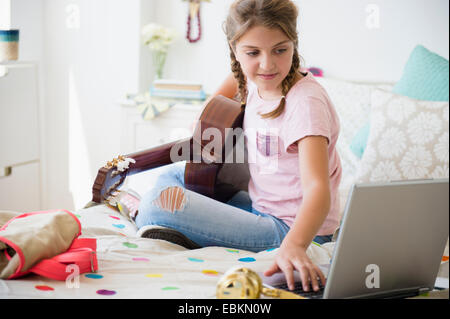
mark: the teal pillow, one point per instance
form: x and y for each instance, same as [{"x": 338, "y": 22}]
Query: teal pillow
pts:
[
  {"x": 359, "y": 142},
  {"x": 425, "y": 77}
]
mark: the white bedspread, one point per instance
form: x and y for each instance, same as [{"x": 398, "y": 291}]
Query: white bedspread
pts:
[{"x": 132, "y": 267}]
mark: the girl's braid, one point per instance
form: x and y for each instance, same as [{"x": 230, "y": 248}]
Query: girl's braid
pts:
[
  {"x": 289, "y": 81},
  {"x": 239, "y": 76},
  {"x": 286, "y": 85}
]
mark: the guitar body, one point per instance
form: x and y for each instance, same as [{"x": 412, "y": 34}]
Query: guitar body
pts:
[
  {"x": 223, "y": 116},
  {"x": 209, "y": 155}
]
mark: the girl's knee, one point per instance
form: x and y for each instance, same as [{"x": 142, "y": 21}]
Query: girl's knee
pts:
[
  {"x": 156, "y": 205},
  {"x": 171, "y": 199}
]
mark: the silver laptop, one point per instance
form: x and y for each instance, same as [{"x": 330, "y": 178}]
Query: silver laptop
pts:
[{"x": 390, "y": 244}]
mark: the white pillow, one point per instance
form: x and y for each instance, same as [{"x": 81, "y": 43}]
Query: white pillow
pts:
[
  {"x": 352, "y": 103},
  {"x": 408, "y": 139}
]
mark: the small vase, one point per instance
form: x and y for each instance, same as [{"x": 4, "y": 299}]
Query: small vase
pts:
[{"x": 159, "y": 59}]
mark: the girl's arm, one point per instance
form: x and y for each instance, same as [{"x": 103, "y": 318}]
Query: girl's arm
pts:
[
  {"x": 229, "y": 88},
  {"x": 313, "y": 157},
  {"x": 314, "y": 174}
]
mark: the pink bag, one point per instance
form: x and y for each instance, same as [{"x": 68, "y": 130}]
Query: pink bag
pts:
[{"x": 45, "y": 243}]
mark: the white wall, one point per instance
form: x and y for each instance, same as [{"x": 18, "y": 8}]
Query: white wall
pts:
[
  {"x": 337, "y": 35},
  {"x": 206, "y": 61},
  {"x": 89, "y": 53},
  {"x": 5, "y": 14},
  {"x": 90, "y": 65},
  {"x": 340, "y": 36},
  {"x": 88, "y": 68}
]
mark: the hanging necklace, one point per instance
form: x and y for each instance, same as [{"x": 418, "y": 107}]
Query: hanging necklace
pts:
[
  {"x": 194, "y": 12},
  {"x": 199, "y": 26}
]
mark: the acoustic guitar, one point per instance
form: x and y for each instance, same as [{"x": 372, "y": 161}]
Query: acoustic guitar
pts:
[{"x": 208, "y": 169}]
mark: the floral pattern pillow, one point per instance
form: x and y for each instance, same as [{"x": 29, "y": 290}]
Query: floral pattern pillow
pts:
[
  {"x": 352, "y": 103},
  {"x": 409, "y": 139}
]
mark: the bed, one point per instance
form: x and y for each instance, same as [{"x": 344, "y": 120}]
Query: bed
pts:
[{"x": 133, "y": 267}]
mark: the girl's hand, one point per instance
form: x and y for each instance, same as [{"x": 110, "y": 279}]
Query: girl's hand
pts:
[{"x": 290, "y": 257}]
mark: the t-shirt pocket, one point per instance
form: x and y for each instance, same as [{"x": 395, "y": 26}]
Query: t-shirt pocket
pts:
[{"x": 267, "y": 144}]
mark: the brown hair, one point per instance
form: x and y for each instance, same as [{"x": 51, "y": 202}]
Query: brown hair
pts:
[{"x": 245, "y": 14}]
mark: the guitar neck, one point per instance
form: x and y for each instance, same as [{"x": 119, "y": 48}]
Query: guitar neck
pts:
[
  {"x": 220, "y": 113},
  {"x": 159, "y": 156}
]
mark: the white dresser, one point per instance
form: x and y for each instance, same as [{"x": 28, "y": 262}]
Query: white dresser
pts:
[
  {"x": 139, "y": 134},
  {"x": 20, "y": 155}
]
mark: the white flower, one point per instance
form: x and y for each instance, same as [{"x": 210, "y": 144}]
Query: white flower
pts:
[
  {"x": 123, "y": 165},
  {"x": 366, "y": 163},
  {"x": 441, "y": 148},
  {"x": 432, "y": 105},
  {"x": 440, "y": 172},
  {"x": 370, "y": 155},
  {"x": 157, "y": 37},
  {"x": 377, "y": 123},
  {"x": 424, "y": 127},
  {"x": 416, "y": 162},
  {"x": 349, "y": 161},
  {"x": 400, "y": 109},
  {"x": 392, "y": 143},
  {"x": 385, "y": 171}
]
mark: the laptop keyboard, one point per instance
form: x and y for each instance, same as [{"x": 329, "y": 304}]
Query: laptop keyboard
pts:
[{"x": 298, "y": 289}]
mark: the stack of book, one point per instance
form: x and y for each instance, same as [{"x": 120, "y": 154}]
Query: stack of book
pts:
[{"x": 177, "y": 90}]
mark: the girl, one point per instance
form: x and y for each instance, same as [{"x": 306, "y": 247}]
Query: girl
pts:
[{"x": 293, "y": 202}]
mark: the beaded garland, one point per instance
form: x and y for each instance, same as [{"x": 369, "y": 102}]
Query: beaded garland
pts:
[{"x": 199, "y": 26}]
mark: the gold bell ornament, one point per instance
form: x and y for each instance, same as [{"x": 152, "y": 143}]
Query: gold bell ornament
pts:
[{"x": 244, "y": 283}]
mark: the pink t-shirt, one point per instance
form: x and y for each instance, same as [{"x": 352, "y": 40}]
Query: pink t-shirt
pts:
[{"x": 275, "y": 186}]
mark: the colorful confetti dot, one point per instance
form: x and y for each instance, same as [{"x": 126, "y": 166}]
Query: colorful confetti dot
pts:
[
  {"x": 114, "y": 217},
  {"x": 140, "y": 259},
  {"x": 235, "y": 251},
  {"x": 247, "y": 259},
  {"x": 195, "y": 260},
  {"x": 44, "y": 288},
  {"x": 93, "y": 276},
  {"x": 120, "y": 226},
  {"x": 154, "y": 275},
  {"x": 170, "y": 288},
  {"x": 130, "y": 245},
  {"x": 444, "y": 258},
  {"x": 209, "y": 272},
  {"x": 271, "y": 249},
  {"x": 105, "y": 292},
  {"x": 77, "y": 216}
]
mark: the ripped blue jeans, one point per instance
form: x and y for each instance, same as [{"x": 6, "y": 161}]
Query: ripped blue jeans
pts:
[{"x": 208, "y": 222}]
